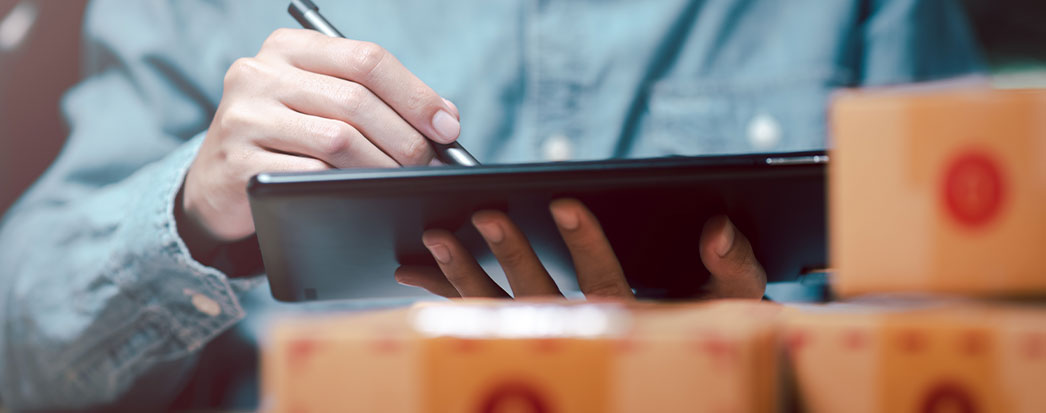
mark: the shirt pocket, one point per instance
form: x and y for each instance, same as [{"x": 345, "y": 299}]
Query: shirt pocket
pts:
[{"x": 689, "y": 116}]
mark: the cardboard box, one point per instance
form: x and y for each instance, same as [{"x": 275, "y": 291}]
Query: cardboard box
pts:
[
  {"x": 529, "y": 356},
  {"x": 939, "y": 191},
  {"x": 363, "y": 363},
  {"x": 962, "y": 358},
  {"x": 714, "y": 357}
]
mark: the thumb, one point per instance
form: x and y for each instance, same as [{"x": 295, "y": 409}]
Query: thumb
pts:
[{"x": 729, "y": 258}]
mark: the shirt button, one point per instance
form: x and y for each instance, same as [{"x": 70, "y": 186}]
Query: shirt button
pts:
[
  {"x": 206, "y": 305},
  {"x": 764, "y": 132},
  {"x": 557, "y": 148}
]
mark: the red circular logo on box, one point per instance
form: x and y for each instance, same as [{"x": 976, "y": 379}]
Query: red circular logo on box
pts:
[
  {"x": 514, "y": 396},
  {"x": 949, "y": 397},
  {"x": 974, "y": 188}
]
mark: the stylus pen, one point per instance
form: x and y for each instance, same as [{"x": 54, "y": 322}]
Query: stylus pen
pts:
[{"x": 308, "y": 15}]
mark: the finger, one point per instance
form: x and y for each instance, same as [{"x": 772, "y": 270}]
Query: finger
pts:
[
  {"x": 453, "y": 108},
  {"x": 599, "y": 273},
  {"x": 731, "y": 261},
  {"x": 354, "y": 104},
  {"x": 524, "y": 271},
  {"x": 459, "y": 266},
  {"x": 332, "y": 141},
  {"x": 372, "y": 66},
  {"x": 429, "y": 278},
  {"x": 258, "y": 161}
]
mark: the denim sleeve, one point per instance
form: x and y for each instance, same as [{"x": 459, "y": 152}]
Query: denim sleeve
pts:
[
  {"x": 101, "y": 303},
  {"x": 906, "y": 41}
]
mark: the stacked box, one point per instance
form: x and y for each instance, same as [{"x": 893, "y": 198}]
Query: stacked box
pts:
[
  {"x": 888, "y": 358},
  {"x": 939, "y": 191},
  {"x": 536, "y": 356}
]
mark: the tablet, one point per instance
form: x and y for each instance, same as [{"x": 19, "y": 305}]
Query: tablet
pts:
[{"x": 342, "y": 233}]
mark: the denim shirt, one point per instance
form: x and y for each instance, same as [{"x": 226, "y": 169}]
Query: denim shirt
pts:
[{"x": 102, "y": 305}]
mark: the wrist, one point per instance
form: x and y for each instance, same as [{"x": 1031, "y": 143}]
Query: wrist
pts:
[{"x": 201, "y": 244}]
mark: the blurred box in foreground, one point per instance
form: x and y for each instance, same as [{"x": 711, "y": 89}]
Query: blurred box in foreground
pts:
[
  {"x": 528, "y": 357},
  {"x": 954, "y": 358},
  {"x": 939, "y": 191},
  {"x": 363, "y": 362}
]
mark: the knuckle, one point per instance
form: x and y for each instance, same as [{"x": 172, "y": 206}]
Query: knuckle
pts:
[
  {"x": 233, "y": 118},
  {"x": 583, "y": 244},
  {"x": 280, "y": 38},
  {"x": 743, "y": 264},
  {"x": 420, "y": 98},
  {"x": 242, "y": 69},
  {"x": 366, "y": 58},
  {"x": 336, "y": 139},
  {"x": 418, "y": 151},
  {"x": 457, "y": 277},
  {"x": 352, "y": 96},
  {"x": 513, "y": 257},
  {"x": 588, "y": 241}
]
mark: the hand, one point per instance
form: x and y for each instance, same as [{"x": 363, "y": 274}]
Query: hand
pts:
[
  {"x": 307, "y": 102},
  {"x": 724, "y": 251}
]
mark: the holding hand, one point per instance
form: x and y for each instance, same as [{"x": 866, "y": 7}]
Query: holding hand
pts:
[
  {"x": 724, "y": 251},
  {"x": 306, "y": 102}
]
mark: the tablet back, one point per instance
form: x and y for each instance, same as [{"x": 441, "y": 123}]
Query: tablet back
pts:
[{"x": 341, "y": 234}]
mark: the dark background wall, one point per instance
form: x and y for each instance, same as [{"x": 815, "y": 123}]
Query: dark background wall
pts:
[
  {"x": 33, "y": 76},
  {"x": 1010, "y": 31},
  {"x": 35, "y": 73}
]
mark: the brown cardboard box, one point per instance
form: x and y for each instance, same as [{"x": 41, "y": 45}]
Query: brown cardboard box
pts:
[
  {"x": 939, "y": 191},
  {"x": 716, "y": 357},
  {"x": 962, "y": 358},
  {"x": 529, "y": 356},
  {"x": 364, "y": 363}
]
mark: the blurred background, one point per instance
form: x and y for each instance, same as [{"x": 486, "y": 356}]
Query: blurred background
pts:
[{"x": 40, "y": 58}]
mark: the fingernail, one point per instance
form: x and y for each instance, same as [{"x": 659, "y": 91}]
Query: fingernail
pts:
[
  {"x": 447, "y": 128},
  {"x": 726, "y": 239},
  {"x": 453, "y": 108},
  {"x": 566, "y": 219},
  {"x": 403, "y": 282},
  {"x": 491, "y": 232},
  {"x": 440, "y": 253}
]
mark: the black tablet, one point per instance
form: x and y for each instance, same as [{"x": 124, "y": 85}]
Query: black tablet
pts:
[{"x": 341, "y": 233}]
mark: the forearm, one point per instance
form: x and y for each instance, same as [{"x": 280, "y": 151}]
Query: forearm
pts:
[{"x": 100, "y": 291}]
